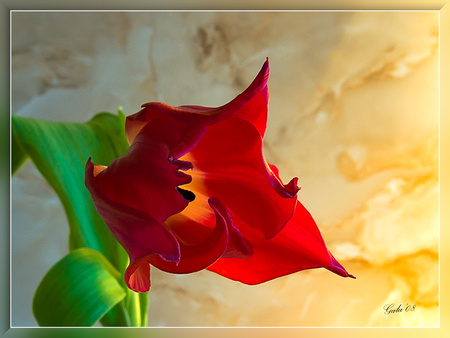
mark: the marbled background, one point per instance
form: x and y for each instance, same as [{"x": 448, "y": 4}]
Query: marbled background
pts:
[{"x": 353, "y": 113}]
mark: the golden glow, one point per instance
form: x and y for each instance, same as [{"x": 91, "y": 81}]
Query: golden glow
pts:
[{"x": 199, "y": 208}]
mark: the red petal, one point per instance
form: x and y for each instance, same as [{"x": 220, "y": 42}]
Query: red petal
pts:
[
  {"x": 229, "y": 164},
  {"x": 255, "y": 110},
  {"x": 250, "y": 105},
  {"x": 147, "y": 176},
  {"x": 136, "y": 193},
  {"x": 137, "y": 231},
  {"x": 298, "y": 246},
  {"x": 137, "y": 276},
  {"x": 196, "y": 222}
]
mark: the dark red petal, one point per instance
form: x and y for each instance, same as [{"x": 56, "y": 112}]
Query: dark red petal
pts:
[
  {"x": 229, "y": 164},
  {"x": 147, "y": 176},
  {"x": 176, "y": 136},
  {"x": 134, "y": 124},
  {"x": 250, "y": 105},
  {"x": 298, "y": 246},
  {"x": 142, "y": 179},
  {"x": 136, "y": 230}
]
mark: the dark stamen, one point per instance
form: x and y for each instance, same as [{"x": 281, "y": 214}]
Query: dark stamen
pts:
[{"x": 189, "y": 195}]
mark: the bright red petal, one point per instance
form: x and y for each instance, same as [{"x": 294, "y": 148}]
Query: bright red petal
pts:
[
  {"x": 298, "y": 246},
  {"x": 255, "y": 110},
  {"x": 229, "y": 164}
]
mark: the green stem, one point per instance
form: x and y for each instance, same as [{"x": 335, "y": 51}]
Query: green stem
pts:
[
  {"x": 132, "y": 303},
  {"x": 145, "y": 304}
]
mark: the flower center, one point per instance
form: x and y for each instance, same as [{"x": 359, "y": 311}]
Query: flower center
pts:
[{"x": 188, "y": 195}]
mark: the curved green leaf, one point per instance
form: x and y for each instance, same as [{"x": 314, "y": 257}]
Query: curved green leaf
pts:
[
  {"x": 19, "y": 155},
  {"x": 78, "y": 290},
  {"x": 60, "y": 152}
]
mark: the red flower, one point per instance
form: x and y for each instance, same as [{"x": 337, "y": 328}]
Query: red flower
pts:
[{"x": 231, "y": 214}]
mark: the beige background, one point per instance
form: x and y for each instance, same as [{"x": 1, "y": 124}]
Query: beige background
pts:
[{"x": 353, "y": 114}]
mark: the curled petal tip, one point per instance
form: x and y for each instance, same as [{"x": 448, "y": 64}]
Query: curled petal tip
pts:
[
  {"x": 137, "y": 277},
  {"x": 292, "y": 187}
]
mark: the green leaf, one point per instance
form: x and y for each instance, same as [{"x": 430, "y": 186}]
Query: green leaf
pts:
[
  {"x": 117, "y": 316},
  {"x": 19, "y": 155},
  {"x": 60, "y": 152},
  {"x": 78, "y": 290}
]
